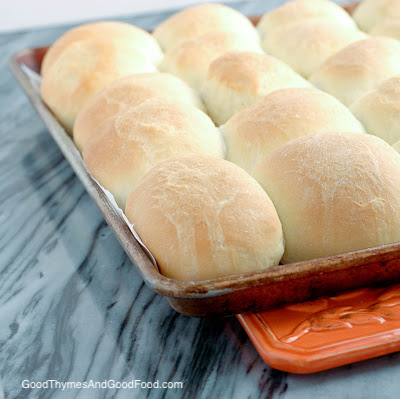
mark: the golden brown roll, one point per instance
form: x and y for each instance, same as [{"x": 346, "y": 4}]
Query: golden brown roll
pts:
[
  {"x": 334, "y": 193},
  {"x": 284, "y": 115},
  {"x": 238, "y": 79},
  {"x": 129, "y": 144},
  {"x": 189, "y": 59},
  {"x": 126, "y": 92},
  {"x": 85, "y": 67},
  {"x": 201, "y": 19},
  {"x": 298, "y": 10},
  {"x": 204, "y": 218},
  {"x": 359, "y": 67},
  {"x": 379, "y": 110},
  {"x": 371, "y": 12},
  {"x": 304, "y": 45},
  {"x": 139, "y": 39}
]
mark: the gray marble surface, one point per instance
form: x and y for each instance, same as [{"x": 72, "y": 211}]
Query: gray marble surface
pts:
[{"x": 73, "y": 308}]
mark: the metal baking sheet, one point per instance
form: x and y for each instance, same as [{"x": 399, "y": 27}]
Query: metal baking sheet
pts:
[{"x": 254, "y": 291}]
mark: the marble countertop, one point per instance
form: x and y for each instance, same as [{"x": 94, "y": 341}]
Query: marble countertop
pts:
[{"x": 73, "y": 307}]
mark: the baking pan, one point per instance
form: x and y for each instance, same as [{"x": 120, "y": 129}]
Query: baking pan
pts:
[{"x": 249, "y": 292}]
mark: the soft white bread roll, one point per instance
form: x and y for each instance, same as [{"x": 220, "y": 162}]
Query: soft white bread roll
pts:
[
  {"x": 189, "y": 59},
  {"x": 205, "y": 218},
  {"x": 129, "y": 144},
  {"x": 85, "y": 67},
  {"x": 126, "y": 92},
  {"x": 140, "y": 40},
  {"x": 298, "y": 10},
  {"x": 371, "y": 12},
  {"x": 201, "y": 19},
  {"x": 334, "y": 193},
  {"x": 388, "y": 27},
  {"x": 284, "y": 115},
  {"x": 359, "y": 67},
  {"x": 238, "y": 79},
  {"x": 306, "y": 44},
  {"x": 379, "y": 110}
]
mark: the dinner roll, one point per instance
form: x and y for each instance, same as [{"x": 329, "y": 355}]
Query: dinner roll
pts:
[
  {"x": 379, "y": 110},
  {"x": 189, "y": 59},
  {"x": 204, "y": 218},
  {"x": 84, "y": 68},
  {"x": 388, "y": 27},
  {"x": 298, "y": 10},
  {"x": 334, "y": 193},
  {"x": 138, "y": 39},
  {"x": 129, "y": 91},
  {"x": 284, "y": 115},
  {"x": 200, "y": 19},
  {"x": 306, "y": 44},
  {"x": 359, "y": 67},
  {"x": 238, "y": 79},
  {"x": 129, "y": 144},
  {"x": 371, "y": 12}
]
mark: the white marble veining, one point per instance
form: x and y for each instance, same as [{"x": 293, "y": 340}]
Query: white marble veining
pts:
[{"x": 74, "y": 308}]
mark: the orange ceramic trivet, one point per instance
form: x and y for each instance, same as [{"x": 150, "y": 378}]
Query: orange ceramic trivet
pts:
[{"x": 327, "y": 332}]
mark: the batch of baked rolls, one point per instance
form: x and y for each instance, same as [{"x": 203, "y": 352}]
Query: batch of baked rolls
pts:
[{"x": 233, "y": 147}]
